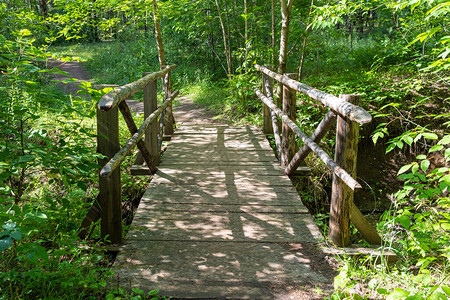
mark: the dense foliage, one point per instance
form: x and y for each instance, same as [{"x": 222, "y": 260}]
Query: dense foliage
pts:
[{"x": 395, "y": 54}]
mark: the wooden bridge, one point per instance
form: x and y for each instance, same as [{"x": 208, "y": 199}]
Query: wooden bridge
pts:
[{"x": 221, "y": 218}]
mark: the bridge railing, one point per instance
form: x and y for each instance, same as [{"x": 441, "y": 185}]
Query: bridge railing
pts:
[
  {"x": 349, "y": 117},
  {"x": 109, "y": 203}
]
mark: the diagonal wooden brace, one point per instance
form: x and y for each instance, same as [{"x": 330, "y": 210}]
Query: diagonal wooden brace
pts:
[
  {"x": 125, "y": 110},
  {"x": 318, "y": 134}
]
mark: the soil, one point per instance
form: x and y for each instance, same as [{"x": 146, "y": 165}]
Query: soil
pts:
[{"x": 74, "y": 70}]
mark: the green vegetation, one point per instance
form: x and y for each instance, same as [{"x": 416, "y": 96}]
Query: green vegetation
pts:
[{"x": 392, "y": 53}]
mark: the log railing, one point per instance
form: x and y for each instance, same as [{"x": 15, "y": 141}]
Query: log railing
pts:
[
  {"x": 349, "y": 117},
  {"x": 109, "y": 198}
]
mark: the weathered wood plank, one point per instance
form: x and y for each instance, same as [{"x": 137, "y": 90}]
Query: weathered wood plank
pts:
[
  {"x": 151, "y": 207},
  {"x": 217, "y": 226},
  {"x": 216, "y": 269},
  {"x": 218, "y": 222}
]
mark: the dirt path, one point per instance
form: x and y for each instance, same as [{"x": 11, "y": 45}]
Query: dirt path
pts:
[
  {"x": 185, "y": 112},
  {"x": 74, "y": 69}
]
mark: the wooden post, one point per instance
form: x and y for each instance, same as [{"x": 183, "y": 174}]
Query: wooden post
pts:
[
  {"x": 347, "y": 134},
  {"x": 267, "y": 119},
  {"x": 169, "y": 120},
  {"x": 151, "y": 134},
  {"x": 110, "y": 188},
  {"x": 288, "y": 144}
]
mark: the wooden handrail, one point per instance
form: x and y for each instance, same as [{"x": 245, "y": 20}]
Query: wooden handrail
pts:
[
  {"x": 346, "y": 109},
  {"x": 114, "y": 97},
  {"x": 109, "y": 207},
  {"x": 119, "y": 157},
  {"x": 348, "y": 116},
  {"x": 341, "y": 173}
]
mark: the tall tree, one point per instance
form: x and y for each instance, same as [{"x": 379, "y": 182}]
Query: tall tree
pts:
[
  {"x": 286, "y": 8},
  {"x": 225, "y": 42}
]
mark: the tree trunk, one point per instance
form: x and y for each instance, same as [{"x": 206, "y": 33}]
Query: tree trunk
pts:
[
  {"x": 158, "y": 35},
  {"x": 282, "y": 58},
  {"x": 273, "y": 32},
  {"x": 246, "y": 33},
  {"x": 225, "y": 42},
  {"x": 302, "y": 57}
]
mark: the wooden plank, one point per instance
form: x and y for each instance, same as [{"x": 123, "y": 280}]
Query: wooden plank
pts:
[
  {"x": 206, "y": 207},
  {"x": 223, "y": 270},
  {"x": 217, "y": 226}
]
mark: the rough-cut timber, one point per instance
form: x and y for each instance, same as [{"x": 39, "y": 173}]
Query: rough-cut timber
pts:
[
  {"x": 221, "y": 220},
  {"x": 318, "y": 134},
  {"x": 351, "y": 111},
  {"x": 119, "y": 157},
  {"x": 337, "y": 170},
  {"x": 112, "y": 99}
]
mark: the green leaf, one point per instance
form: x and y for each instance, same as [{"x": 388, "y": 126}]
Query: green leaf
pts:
[
  {"x": 445, "y": 179},
  {"x": 9, "y": 226},
  {"x": 430, "y": 136},
  {"x": 382, "y": 291},
  {"x": 422, "y": 156},
  {"x": 390, "y": 148},
  {"x": 405, "y": 221},
  {"x": 5, "y": 243},
  {"x": 404, "y": 169},
  {"x": 445, "y": 225},
  {"x": 17, "y": 235},
  {"x": 436, "y": 148},
  {"x": 408, "y": 140},
  {"x": 138, "y": 291},
  {"x": 424, "y": 165},
  {"x": 25, "y": 158},
  {"x": 445, "y": 140},
  {"x": 446, "y": 290}
]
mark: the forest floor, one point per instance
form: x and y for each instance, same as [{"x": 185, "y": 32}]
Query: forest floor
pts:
[{"x": 188, "y": 112}]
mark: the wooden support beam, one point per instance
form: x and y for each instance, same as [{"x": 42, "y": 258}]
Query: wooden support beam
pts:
[
  {"x": 120, "y": 155},
  {"x": 274, "y": 126},
  {"x": 318, "y": 134},
  {"x": 151, "y": 133},
  {"x": 346, "y": 151},
  {"x": 267, "y": 87},
  {"x": 109, "y": 188},
  {"x": 288, "y": 144},
  {"x": 341, "y": 173},
  {"x": 94, "y": 214},
  {"x": 125, "y": 110},
  {"x": 169, "y": 120},
  {"x": 367, "y": 231},
  {"x": 353, "y": 112},
  {"x": 114, "y": 97}
]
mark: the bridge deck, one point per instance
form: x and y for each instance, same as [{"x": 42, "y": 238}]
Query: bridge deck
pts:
[{"x": 220, "y": 220}]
